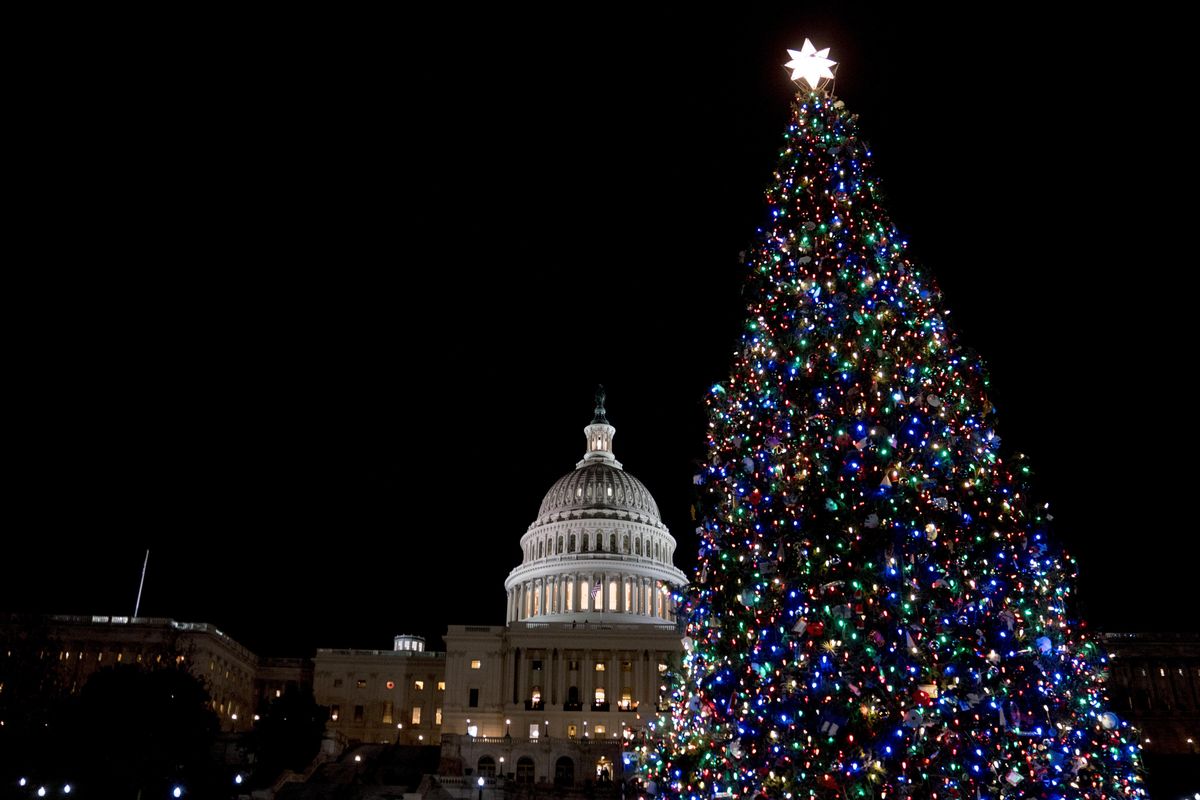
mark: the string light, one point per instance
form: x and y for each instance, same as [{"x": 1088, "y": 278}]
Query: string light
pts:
[{"x": 878, "y": 608}]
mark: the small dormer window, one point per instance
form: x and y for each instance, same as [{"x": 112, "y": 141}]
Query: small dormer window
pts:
[{"x": 610, "y": 491}]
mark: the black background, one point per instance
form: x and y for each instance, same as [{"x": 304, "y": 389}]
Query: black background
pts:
[{"x": 313, "y": 307}]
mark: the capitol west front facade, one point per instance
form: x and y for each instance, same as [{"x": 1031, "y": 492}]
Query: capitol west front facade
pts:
[{"x": 552, "y": 694}]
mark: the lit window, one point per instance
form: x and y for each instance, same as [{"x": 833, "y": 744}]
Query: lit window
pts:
[
  {"x": 600, "y": 730},
  {"x": 391, "y": 684},
  {"x": 472, "y": 730},
  {"x": 662, "y": 667},
  {"x": 278, "y": 693},
  {"x": 571, "y": 730},
  {"x": 626, "y": 701},
  {"x": 475, "y": 663},
  {"x": 416, "y": 715},
  {"x": 387, "y": 713},
  {"x": 599, "y": 694},
  {"x": 441, "y": 686},
  {"x": 599, "y": 666},
  {"x": 418, "y": 685},
  {"x": 437, "y": 716},
  {"x": 536, "y": 695},
  {"x": 534, "y": 730},
  {"x": 335, "y": 711},
  {"x": 358, "y": 684}
]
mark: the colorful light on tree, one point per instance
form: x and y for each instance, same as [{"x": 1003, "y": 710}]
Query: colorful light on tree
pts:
[{"x": 878, "y": 608}]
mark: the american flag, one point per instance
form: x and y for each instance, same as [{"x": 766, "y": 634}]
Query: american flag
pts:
[{"x": 596, "y": 589}]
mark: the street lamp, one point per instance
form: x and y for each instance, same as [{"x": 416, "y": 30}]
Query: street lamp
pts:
[{"x": 480, "y": 783}]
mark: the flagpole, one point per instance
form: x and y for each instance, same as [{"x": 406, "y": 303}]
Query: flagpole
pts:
[{"x": 141, "y": 583}]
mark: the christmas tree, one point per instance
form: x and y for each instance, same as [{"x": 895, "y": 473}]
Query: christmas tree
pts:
[{"x": 878, "y": 609}]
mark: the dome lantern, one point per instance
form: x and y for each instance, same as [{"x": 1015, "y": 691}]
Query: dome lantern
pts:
[{"x": 599, "y": 436}]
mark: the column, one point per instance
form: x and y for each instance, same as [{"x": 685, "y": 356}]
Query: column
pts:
[
  {"x": 614, "y": 684},
  {"x": 522, "y": 677},
  {"x": 562, "y": 678}
]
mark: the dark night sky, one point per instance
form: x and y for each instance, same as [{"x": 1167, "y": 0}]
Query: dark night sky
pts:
[{"x": 314, "y": 308}]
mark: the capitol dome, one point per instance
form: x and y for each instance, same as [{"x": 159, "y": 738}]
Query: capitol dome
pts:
[
  {"x": 598, "y": 550},
  {"x": 598, "y": 487}
]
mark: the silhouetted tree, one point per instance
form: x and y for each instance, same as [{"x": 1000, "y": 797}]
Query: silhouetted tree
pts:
[
  {"x": 287, "y": 734},
  {"x": 132, "y": 730},
  {"x": 30, "y": 694}
]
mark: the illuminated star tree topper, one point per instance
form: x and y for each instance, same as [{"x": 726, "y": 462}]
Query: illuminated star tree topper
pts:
[{"x": 810, "y": 64}]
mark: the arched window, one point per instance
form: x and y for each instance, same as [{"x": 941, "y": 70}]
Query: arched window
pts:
[
  {"x": 564, "y": 772},
  {"x": 585, "y": 542},
  {"x": 637, "y": 547},
  {"x": 486, "y": 767},
  {"x": 612, "y": 542},
  {"x": 524, "y": 770},
  {"x": 539, "y": 555},
  {"x": 571, "y": 544},
  {"x": 625, "y": 545},
  {"x": 560, "y": 544}
]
